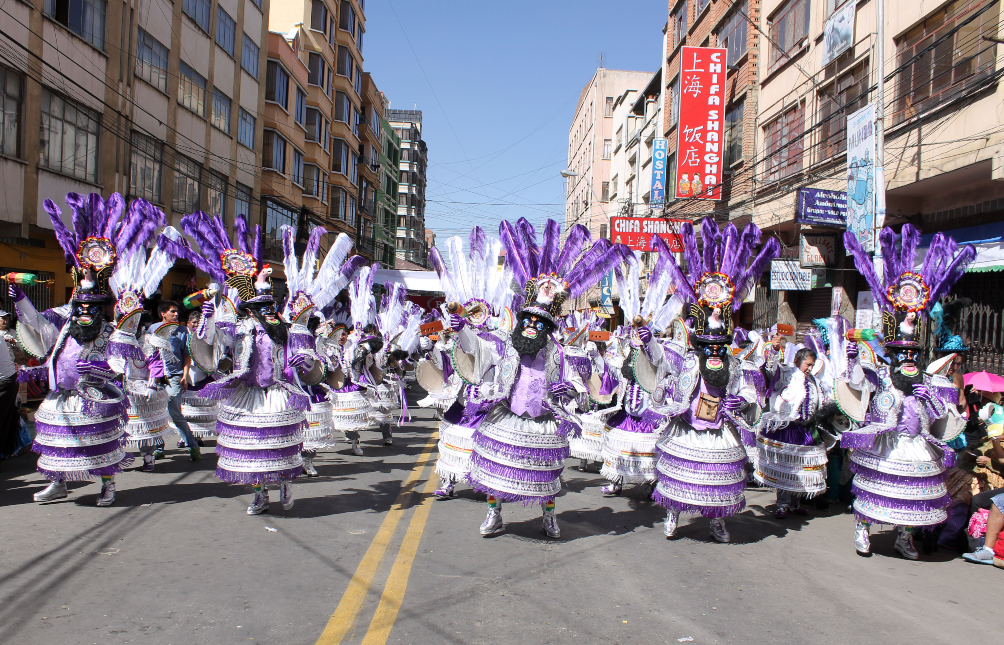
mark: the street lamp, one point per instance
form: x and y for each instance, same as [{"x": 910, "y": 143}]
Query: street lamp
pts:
[{"x": 568, "y": 174}]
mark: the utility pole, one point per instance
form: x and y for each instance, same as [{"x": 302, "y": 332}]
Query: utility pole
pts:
[{"x": 880, "y": 135}]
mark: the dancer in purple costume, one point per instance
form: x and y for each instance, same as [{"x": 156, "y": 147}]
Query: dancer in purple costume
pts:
[
  {"x": 80, "y": 424},
  {"x": 701, "y": 457},
  {"x": 261, "y": 420},
  {"x": 521, "y": 446},
  {"x": 898, "y": 463}
]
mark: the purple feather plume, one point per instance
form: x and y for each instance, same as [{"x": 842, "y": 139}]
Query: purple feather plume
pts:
[
  {"x": 891, "y": 260},
  {"x": 710, "y": 239},
  {"x": 729, "y": 248},
  {"x": 865, "y": 267},
  {"x": 81, "y": 222},
  {"x": 769, "y": 251},
  {"x": 684, "y": 287},
  {"x": 256, "y": 245},
  {"x": 943, "y": 281},
  {"x": 695, "y": 267},
  {"x": 476, "y": 241},
  {"x": 96, "y": 209},
  {"x": 601, "y": 257},
  {"x": 114, "y": 208},
  {"x": 575, "y": 243},
  {"x": 516, "y": 253},
  {"x": 552, "y": 244},
  {"x": 529, "y": 235},
  {"x": 67, "y": 240},
  {"x": 241, "y": 234},
  {"x": 198, "y": 259}
]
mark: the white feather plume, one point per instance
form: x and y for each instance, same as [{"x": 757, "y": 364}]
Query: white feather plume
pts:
[
  {"x": 628, "y": 286},
  {"x": 330, "y": 280},
  {"x": 138, "y": 273}
]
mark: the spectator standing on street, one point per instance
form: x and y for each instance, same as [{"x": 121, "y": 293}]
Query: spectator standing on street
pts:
[
  {"x": 10, "y": 424},
  {"x": 173, "y": 370}
]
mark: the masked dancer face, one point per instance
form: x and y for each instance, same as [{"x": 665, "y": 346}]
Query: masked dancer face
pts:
[
  {"x": 714, "y": 364},
  {"x": 530, "y": 334},
  {"x": 906, "y": 369},
  {"x": 87, "y": 320}
]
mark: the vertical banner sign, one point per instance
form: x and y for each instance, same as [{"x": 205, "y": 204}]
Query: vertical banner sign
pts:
[
  {"x": 861, "y": 176},
  {"x": 660, "y": 147},
  {"x": 700, "y": 143},
  {"x": 607, "y": 292}
]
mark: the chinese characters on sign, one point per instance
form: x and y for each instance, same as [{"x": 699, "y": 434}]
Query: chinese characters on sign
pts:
[
  {"x": 636, "y": 232},
  {"x": 702, "y": 123},
  {"x": 659, "y": 149}
]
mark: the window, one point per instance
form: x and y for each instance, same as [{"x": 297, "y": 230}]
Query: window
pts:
[
  {"x": 276, "y": 216},
  {"x": 331, "y": 31},
  {"x": 86, "y": 18},
  {"x": 313, "y": 181},
  {"x": 732, "y": 35},
  {"x": 249, "y": 56},
  {"x": 245, "y": 129},
  {"x": 151, "y": 61},
  {"x": 192, "y": 90},
  {"x": 608, "y": 109},
  {"x": 315, "y": 69},
  {"x": 359, "y": 37},
  {"x": 347, "y": 17},
  {"x": 319, "y": 16},
  {"x": 221, "y": 110},
  {"x": 10, "y": 112},
  {"x": 833, "y": 5},
  {"x": 344, "y": 62},
  {"x": 353, "y": 167},
  {"x": 69, "y": 137},
  {"x": 605, "y": 191},
  {"x": 257, "y": 3},
  {"x": 216, "y": 195},
  {"x": 242, "y": 200},
  {"x": 679, "y": 20},
  {"x": 784, "y": 143},
  {"x": 670, "y": 178},
  {"x": 146, "y": 168},
  {"x": 277, "y": 84},
  {"x": 733, "y": 135},
  {"x": 961, "y": 59},
  {"x": 674, "y": 101},
  {"x": 315, "y": 126},
  {"x": 846, "y": 96},
  {"x": 357, "y": 117},
  {"x": 701, "y": 4},
  {"x": 788, "y": 28},
  {"x": 273, "y": 153},
  {"x": 198, "y": 10},
  {"x": 300, "y": 113},
  {"x": 338, "y": 196},
  {"x": 350, "y": 210},
  {"x": 608, "y": 146},
  {"x": 339, "y": 156},
  {"x": 296, "y": 171},
  {"x": 225, "y": 30},
  {"x": 343, "y": 107},
  {"x": 328, "y": 90},
  {"x": 187, "y": 183}
]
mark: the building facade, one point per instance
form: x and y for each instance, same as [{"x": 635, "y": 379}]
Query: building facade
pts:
[
  {"x": 157, "y": 100},
  {"x": 591, "y": 142},
  {"x": 387, "y": 193},
  {"x": 411, "y": 246},
  {"x": 637, "y": 123}
]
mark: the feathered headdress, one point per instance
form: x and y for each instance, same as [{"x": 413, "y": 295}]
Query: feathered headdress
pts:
[
  {"x": 309, "y": 291},
  {"x": 659, "y": 307},
  {"x": 549, "y": 273},
  {"x": 236, "y": 264},
  {"x": 137, "y": 277},
  {"x": 361, "y": 297},
  {"x": 103, "y": 233},
  {"x": 903, "y": 294},
  {"x": 719, "y": 276},
  {"x": 476, "y": 280}
]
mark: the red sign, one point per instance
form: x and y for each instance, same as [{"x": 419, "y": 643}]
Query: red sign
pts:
[
  {"x": 637, "y": 232},
  {"x": 425, "y": 301},
  {"x": 701, "y": 131}
]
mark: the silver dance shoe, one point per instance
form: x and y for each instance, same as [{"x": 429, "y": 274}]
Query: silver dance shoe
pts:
[
  {"x": 259, "y": 504},
  {"x": 611, "y": 490},
  {"x": 107, "y": 496},
  {"x": 493, "y": 523},
  {"x": 308, "y": 466},
  {"x": 669, "y": 526},
  {"x": 356, "y": 450},
  {"x": 551, "y": 524},
  {"x": 904, "y": 545},
  {"x": 286, "y": 495},
  {"x": 54, "y": 491},
  {"x": 445, "y": 490},
  {"x": 862, "y": 541},
  {"x": 718, "y": 530}
]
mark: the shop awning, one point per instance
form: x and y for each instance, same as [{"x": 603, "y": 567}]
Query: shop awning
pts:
[
  {"x": 987, "y": 238},
  {"x": 413, "y": 280}
]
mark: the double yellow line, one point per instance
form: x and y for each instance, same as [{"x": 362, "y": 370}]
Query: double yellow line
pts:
[{"x": 344, "y": 617}]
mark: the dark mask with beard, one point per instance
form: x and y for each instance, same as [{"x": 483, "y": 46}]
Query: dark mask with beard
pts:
[
  {"x": 627, "y": 369},
  {"x": 270, "y": 322},
  {"x": 714, "y": 360},
  {"x": 907, "y": 369},
  {"x": 530, "y": 334},
  {"x": 87, "y": 321}
]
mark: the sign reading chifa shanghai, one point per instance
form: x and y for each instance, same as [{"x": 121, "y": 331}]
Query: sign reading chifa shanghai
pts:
[
  {"x": 636, "y": 232},
  {"x": 700, "y": 143}
]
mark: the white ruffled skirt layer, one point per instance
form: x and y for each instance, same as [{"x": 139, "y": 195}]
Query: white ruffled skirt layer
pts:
[
  {"x": 149, "y": 419},
  {"x": 200, "y": 413},
  {"x": 589, "y": 445}
]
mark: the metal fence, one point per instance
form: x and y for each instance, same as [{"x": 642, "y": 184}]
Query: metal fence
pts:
[{"x": 40, "y": 295}]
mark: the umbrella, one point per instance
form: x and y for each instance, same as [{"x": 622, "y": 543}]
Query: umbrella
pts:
[{"x": 984, "y": 381}]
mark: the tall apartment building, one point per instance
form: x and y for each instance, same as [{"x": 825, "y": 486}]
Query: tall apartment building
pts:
[
  {"x": 412, "y": 251},
  {"x": 590, "y": 148},
  {"x": 387, "y": 194},
  {"x": 637, "y": 123},
  {"x": 156, "y": 99},
  {"x": 318, "y": 106}
]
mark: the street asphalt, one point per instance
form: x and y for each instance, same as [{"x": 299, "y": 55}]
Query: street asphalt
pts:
[{"x": 176, "y": 561}]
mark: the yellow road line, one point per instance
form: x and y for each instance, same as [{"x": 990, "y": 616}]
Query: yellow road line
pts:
[
  {"x": 397, "y": 582},
  {"x": 344, "y": 617}
]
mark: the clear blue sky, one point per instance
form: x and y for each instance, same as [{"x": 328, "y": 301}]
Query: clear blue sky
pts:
[{"x": 498, "y": 84}]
